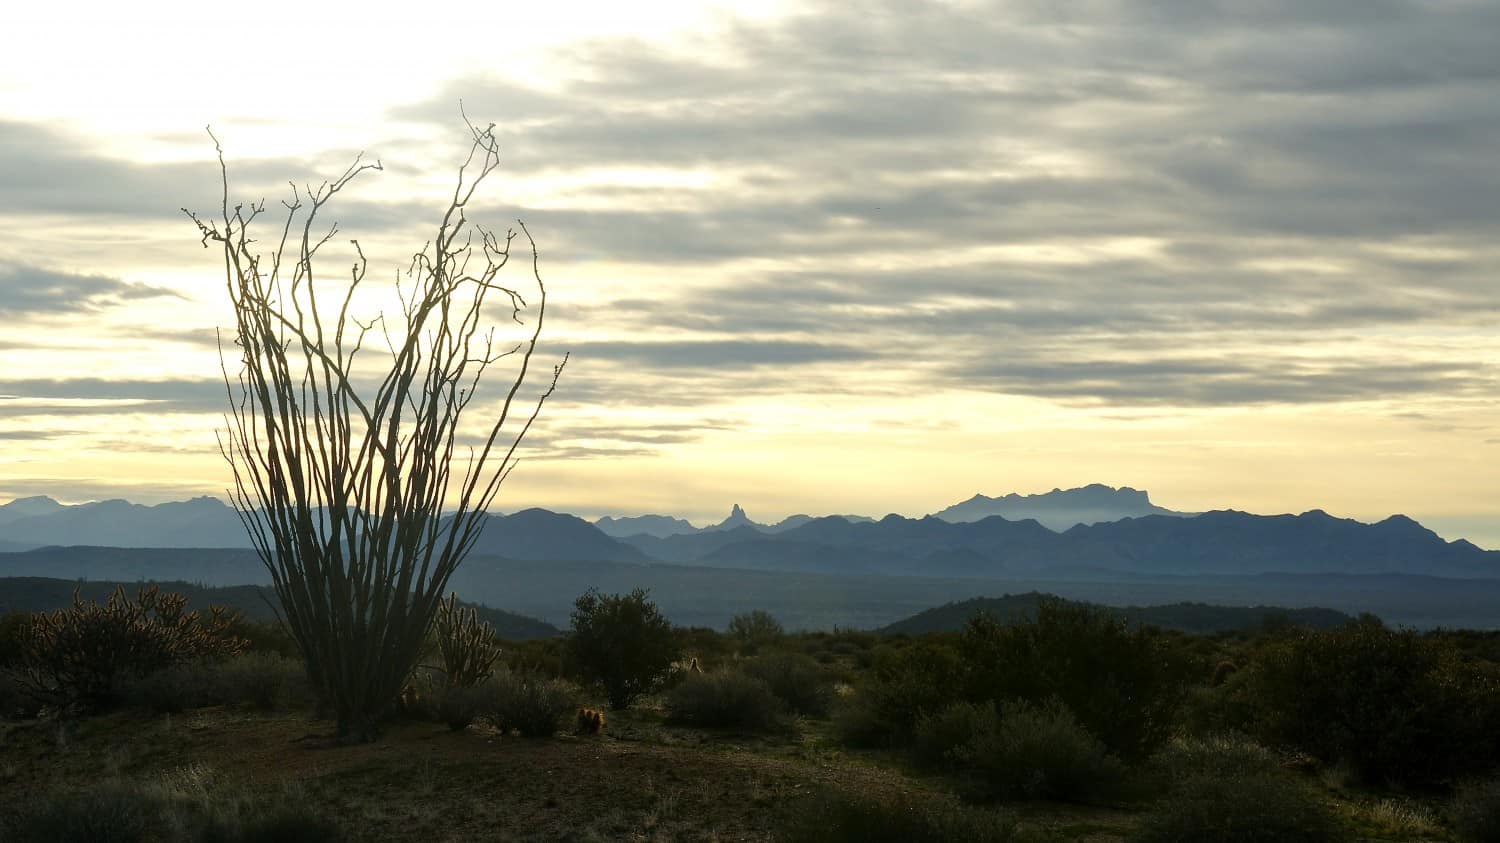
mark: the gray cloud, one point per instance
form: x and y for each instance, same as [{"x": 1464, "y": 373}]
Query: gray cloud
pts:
[
  {"x": 1264, "y": 154},
  {"x": 42, "y": 396},
  {"x": 1267, "y": 151},
  {"x": 29, "y": 291}
]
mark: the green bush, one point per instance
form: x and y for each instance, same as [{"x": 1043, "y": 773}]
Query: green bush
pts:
[
  {"x": 622, "y": 642},
  {"x": 799, "y": 682},
  {"x": 840, "y": 817},
  {"x": 724, "y": 699},
  {"x": 1041, "y": 752},
  {"x": 1475, "y": 812},
  {"x": 752, "y": 630},
  {"x": 1219, "y": 755},
  {"x": 906, "y": 684},
  {"x": 262, "y": 680},
  {"x": 1123, "y": 683},
  {"x": 1392, "y": 706},
  {"x": 939, "y": 739},
  {"x": 1246, "y": 807},
  {"x": 531, "y": 705}
]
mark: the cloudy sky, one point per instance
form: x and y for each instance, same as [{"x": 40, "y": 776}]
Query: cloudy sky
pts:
[{"x": 812, "y": 257}]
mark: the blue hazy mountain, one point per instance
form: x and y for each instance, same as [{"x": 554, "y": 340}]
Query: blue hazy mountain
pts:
[
  {"x": 1060, "y": 509},
  {"x": 1223, "y": 542},
  {"x": 200, "y": 522},
  {"x": 659, "y": 526}
]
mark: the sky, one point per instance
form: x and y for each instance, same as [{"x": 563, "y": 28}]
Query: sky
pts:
[{"x": 809, "y": 257}]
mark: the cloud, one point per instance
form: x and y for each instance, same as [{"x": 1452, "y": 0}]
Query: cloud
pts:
[
  {"x": 30, "y": 291},
  {"x": 99, "y": 396},
  {"x": 1128, "y": 202}
]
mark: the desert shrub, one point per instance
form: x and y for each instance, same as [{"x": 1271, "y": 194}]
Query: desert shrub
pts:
[
  {"x": 906, "y": 684},
  {"x": 536, "y": 657},
  {"x": 263, "y": 680},
  {"x": 265, "y": 637},
  {"x": 1392, "y": 705},
  {"x": 1209, "y": 710},
  {"x": 80, "y": 656},
  {"x": 466, "y": 644},
  {"x": 799, "y": 682},
  {"x": 1041, "y": 752},
  {"x": 1475, "y": 812},
  {"x": 622, "y": 642},
  {"x": 1123, "y": 683},
  {"x": 163, "y": 811},
  {"x": 109, "y": 813},
  {"x": 940, "y": 738},
  {"x": 178, "y": 687},
  {"x": 724, "y": 699},
  {"x": 832, "y": 816},
  {"x": 752, "y": 630},
  {"x": 13, "y": 629},
  {"x": 460, "y": 705},
  {"x": 1244, "y": 807},
  {"x": 279, "y": 822},
  {"x": 531, "y": 705},
  {"x": 1218, "y": 755}
]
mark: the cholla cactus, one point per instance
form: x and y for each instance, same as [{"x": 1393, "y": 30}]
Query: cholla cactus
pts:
[
  {"x": 590, "y": 722},
  {"x": 76, "y": 657},
  {"x": 467, "y": 644}
]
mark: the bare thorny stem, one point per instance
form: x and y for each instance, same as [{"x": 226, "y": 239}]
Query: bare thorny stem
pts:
[{"x": 343, "y": 486}]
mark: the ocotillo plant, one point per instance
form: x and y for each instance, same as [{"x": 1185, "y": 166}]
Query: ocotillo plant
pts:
[{"x": 364, "y": 483}]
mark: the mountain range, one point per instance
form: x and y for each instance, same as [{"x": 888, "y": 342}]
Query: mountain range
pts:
[{"x": 944, "y": 545}]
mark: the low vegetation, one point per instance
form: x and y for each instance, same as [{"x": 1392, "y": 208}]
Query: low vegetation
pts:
[{"x": 1070, "y": 723}]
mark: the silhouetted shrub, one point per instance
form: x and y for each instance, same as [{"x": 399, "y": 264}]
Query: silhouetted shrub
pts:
[
  {"x": 724, "y": 699},
  {"x": 79, "y": 656},
  {"x": 163, "y": 812},
  {"x": 1041, "y": 752},
  {"x": 621, "y": 642},
  {"x": 1475, "y": 812},
  {"x": 109, "y": 813},
  {"x": 939, "y": 739},
  {"x": 1123, "y": 684},
  {"x": 460, "y": 705},
  {"x": 1213, "y": 710},
  {"x": 907, "y": 683},
  {"x": 1393, "y": 706},
  {"x": 752, "y": 630},
  {"x": 833, "y": 816},
  {"x": 1245, "y": 807},
  {"x": 13, "y": 628},
  {"x": 263, "y": 680},
  {"x": 278, "y": 822},
  {"x": 799, "y": 682},
  {"x": 531, "y": 705},
  {"x": 1218, "y": 755}
]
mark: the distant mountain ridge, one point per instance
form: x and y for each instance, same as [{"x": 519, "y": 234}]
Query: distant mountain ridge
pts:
[
  {"x": 1222, "y": 542},
  {"x": 1061, "y": 509}
]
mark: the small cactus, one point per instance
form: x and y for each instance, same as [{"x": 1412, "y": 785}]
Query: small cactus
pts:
[
  {"x": 590, "y": 722},
  {"x": 1222, "y": 672},
  {"x": 468, "y": 645}
]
